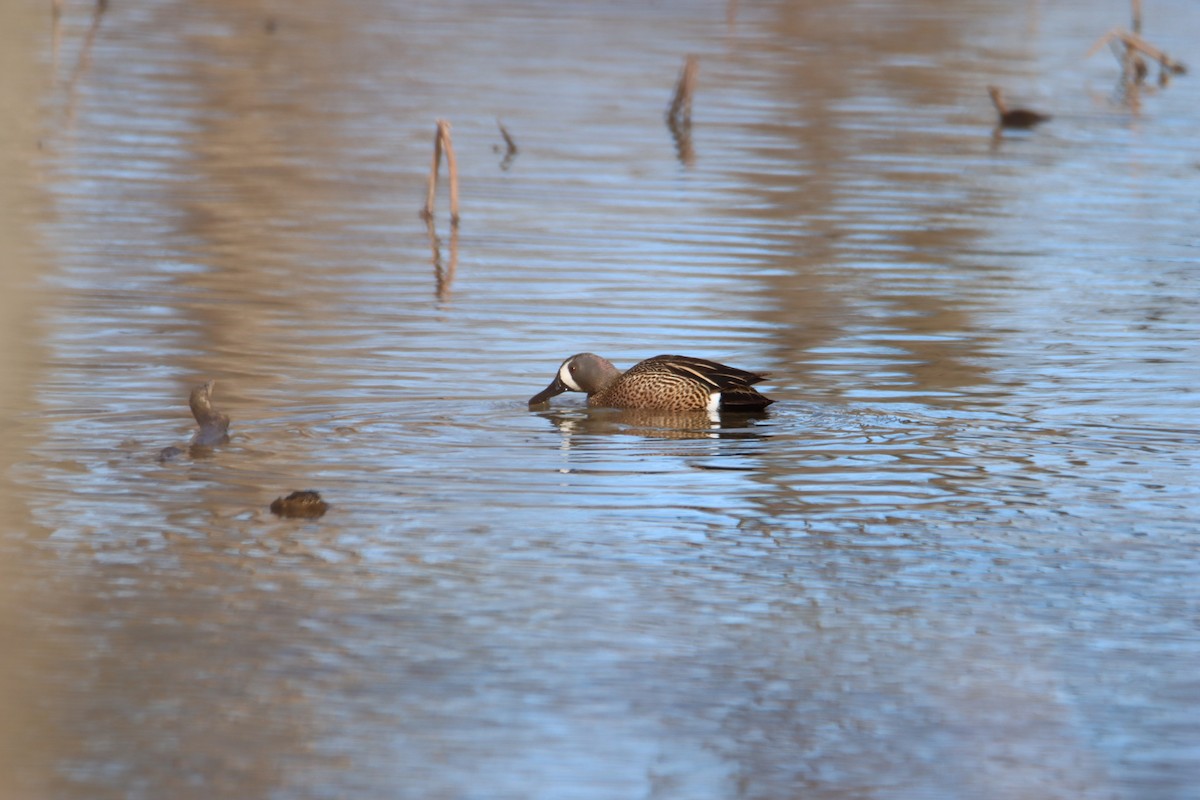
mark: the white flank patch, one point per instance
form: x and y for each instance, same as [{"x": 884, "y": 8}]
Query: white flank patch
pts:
[
  {"x": 564, "y": 375},
  {"x": 714, "y": 402}
]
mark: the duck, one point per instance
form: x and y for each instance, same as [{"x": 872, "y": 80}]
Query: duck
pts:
[
  {"x": 1014, "y": 117},
  {"x": 661, "y": 383}
]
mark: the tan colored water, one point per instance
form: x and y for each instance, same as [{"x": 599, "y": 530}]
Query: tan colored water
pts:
[{"x": 957, "y": 558}]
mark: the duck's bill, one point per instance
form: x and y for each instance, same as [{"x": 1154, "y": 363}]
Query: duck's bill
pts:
[{"x": 555, "y": 388}]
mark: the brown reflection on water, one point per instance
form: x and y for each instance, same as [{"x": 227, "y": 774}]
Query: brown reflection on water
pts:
[
  {"x": 257, "y": 216},
  {"x": 654, "y": 424},
  {"x": 856, "y": 259},
  {"x": 83, "y": 62},
  {"x": 443, "y": 268},
  {"x": 187, "y": 635},
  {"x": 242, "y": 210},
  {"x": 30, "y": 596}
]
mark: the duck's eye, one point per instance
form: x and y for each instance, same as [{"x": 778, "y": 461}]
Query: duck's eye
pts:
[{"x": 574, "y": 367}]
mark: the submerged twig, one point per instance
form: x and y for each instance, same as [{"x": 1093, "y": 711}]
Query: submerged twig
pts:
[
  {"x": 510, "y": 145},
  {"x": 679, "y": 112},
  {"x": 443, "y": 275},
  {"x": 85, "y": 61},
  {"x": 442, "y": 143}
]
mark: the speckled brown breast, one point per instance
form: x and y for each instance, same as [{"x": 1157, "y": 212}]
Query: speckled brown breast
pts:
[{"x": 659, "y": 391}]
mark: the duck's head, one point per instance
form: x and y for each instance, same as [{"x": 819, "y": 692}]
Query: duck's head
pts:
[{"x": 582, "y": 372}]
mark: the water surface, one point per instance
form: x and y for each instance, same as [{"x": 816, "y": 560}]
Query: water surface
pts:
[{"x": 957, "y": 558}]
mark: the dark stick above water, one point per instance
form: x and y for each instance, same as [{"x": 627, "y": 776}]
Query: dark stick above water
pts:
[
  {"x": 214, "y": 426},
  {"x": 679, "y": 112},
  {"x": 510, "y": 146}
]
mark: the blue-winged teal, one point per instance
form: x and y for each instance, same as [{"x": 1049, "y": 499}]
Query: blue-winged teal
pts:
[
  {"x": 662, "y": 383},
  {"x": 1014, "y": 117}
]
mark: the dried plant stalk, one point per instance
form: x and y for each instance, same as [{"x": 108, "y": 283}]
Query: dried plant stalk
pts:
[
  {"x": 1136, "y": 44},
  {"x": 442, "y": 144},
  {"x": 452, "y": 164},
  {"x": 679, "y": 114},
  {"x": 431, "y": 189}
]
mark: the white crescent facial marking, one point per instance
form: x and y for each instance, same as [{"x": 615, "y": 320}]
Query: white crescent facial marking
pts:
[{"x": 564, "y": 375}]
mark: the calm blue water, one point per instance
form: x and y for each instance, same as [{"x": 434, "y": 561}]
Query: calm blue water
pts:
[{"x": 956, "y": 559}]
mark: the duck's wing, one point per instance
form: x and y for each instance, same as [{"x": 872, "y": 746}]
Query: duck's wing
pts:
[{"x": 720, "y": 377}]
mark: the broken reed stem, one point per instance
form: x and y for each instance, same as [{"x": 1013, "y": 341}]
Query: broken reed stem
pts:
[
  {"x": 679, "y": 114},
  {"x": 1137, "y": 17},
  {"x": 442, "y": 143},
  {"x": 448, "y": 147},
  {"x": 1133, "y": 42},
  {"x": 431, "y": 189}
]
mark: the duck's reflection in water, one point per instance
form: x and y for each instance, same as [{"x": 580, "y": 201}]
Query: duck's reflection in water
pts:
[{"x": 572, "y": 422}]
